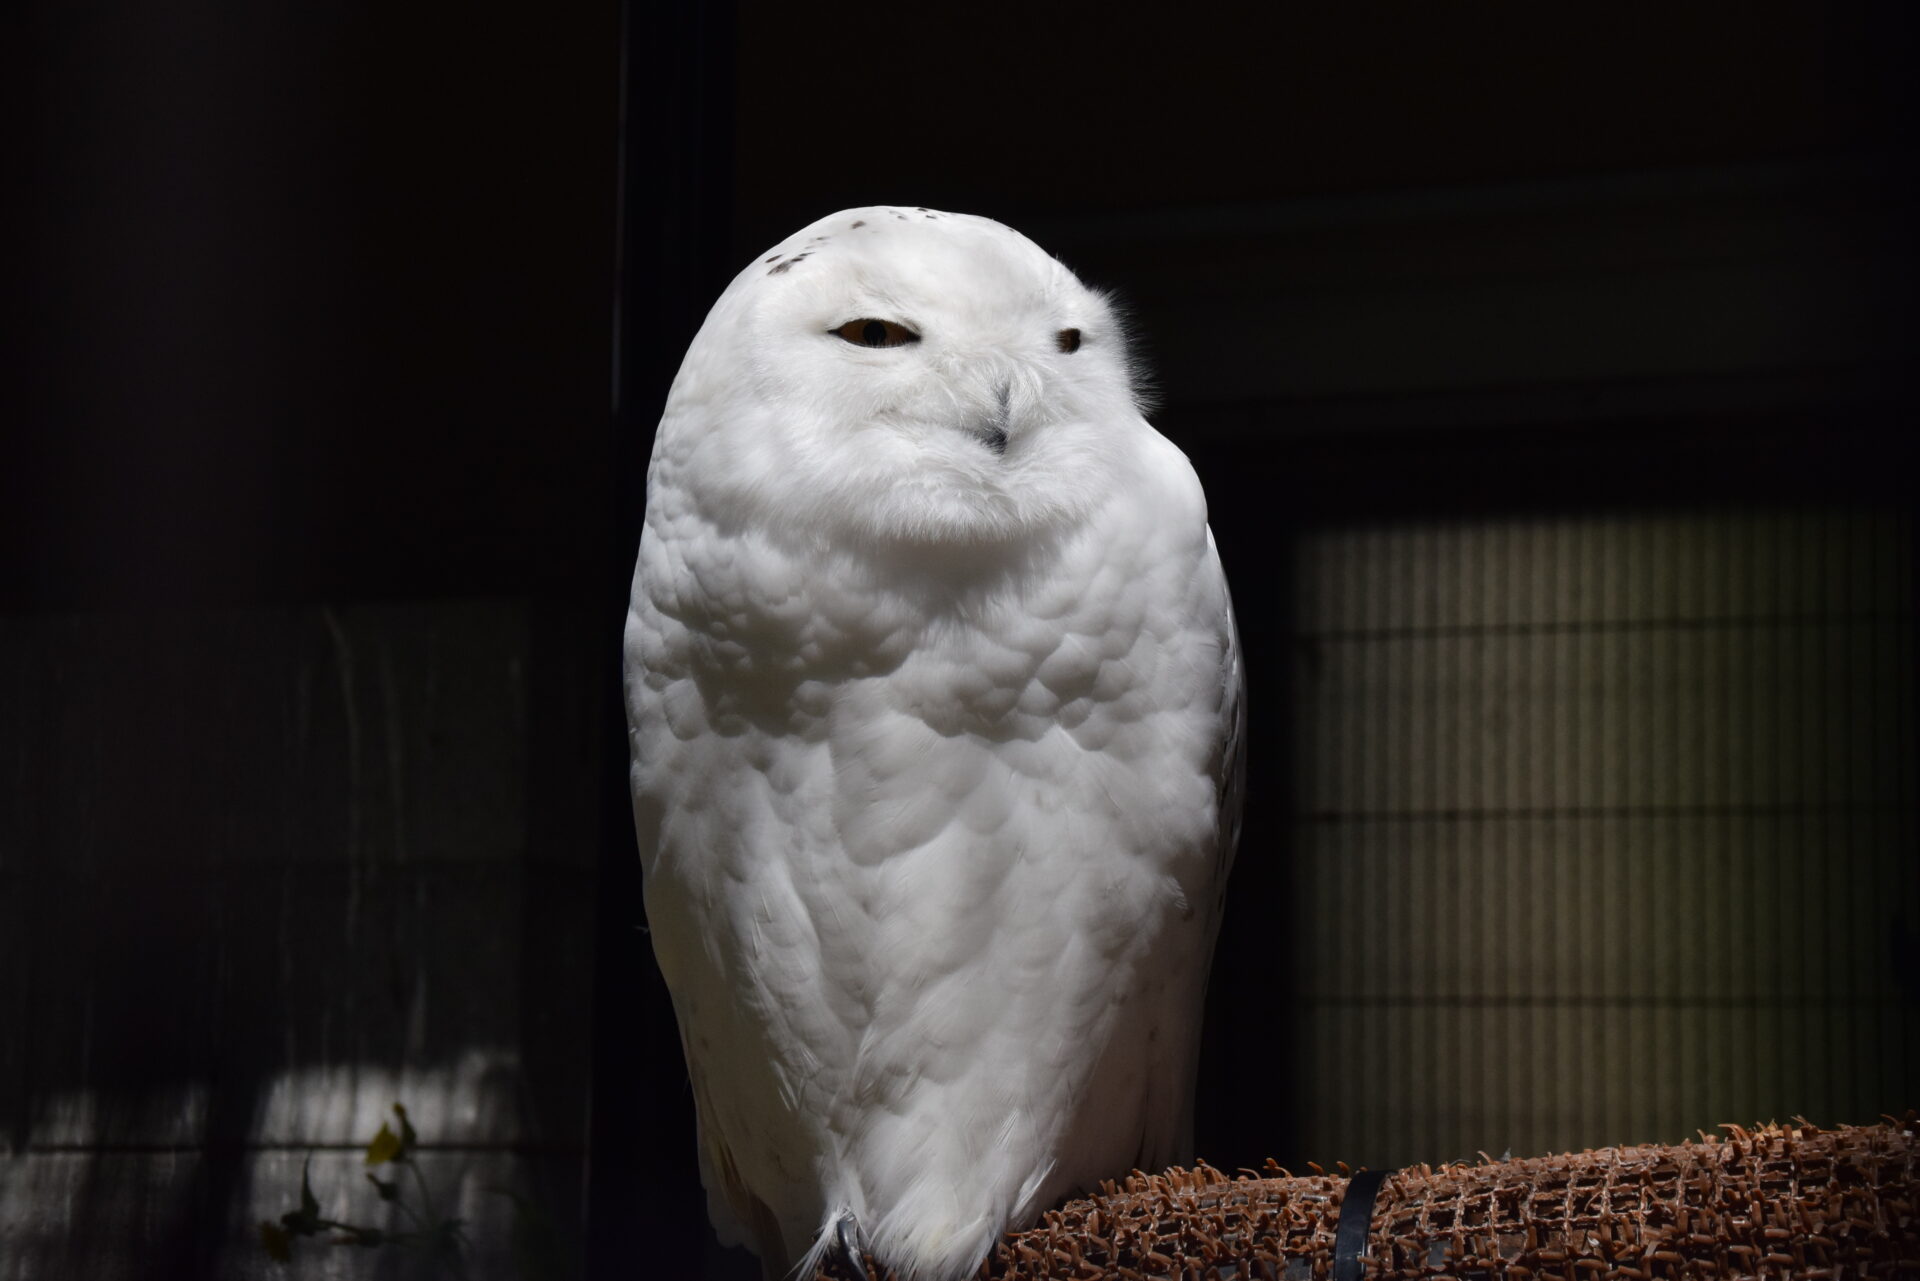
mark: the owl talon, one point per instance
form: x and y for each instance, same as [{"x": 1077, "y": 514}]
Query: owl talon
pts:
[{"x": 850, "y": 1261}]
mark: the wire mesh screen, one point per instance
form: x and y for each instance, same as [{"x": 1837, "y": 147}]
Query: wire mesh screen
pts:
[{"x": 1606, "y": 829}]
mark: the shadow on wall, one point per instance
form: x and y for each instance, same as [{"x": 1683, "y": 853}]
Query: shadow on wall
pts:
[{"x": 265, "y": 874}]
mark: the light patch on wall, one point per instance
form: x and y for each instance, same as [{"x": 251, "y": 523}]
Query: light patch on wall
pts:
[
  {"x": 466, "y": 1102},
  {"x": 94, "y": 1171},
  {"x": 1623, "y": 809},
  {"x": 73, "y": 1119}
]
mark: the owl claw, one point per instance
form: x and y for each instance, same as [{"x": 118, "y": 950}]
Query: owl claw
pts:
[{"x": 849, "y": 1260}]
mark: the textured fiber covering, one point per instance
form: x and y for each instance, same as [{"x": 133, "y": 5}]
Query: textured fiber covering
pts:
[{"x": 1776, "y": 1201}]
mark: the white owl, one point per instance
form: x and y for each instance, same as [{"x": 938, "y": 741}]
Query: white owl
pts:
[{"x": 935, "y": 706}]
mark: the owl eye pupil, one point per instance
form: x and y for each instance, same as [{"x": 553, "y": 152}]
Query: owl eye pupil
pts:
[{"x": 875, "y": 333}]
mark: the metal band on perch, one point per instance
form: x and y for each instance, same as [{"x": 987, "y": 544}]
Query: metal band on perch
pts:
[
  {"x": 1775, "y": 1201},
  {"x": 1356, "y": 1223}
]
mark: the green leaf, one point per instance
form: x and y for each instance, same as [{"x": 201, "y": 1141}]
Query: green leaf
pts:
[
  {"x": 388, "y": 1191},
  {"x": 279, "y": 1245},
  {"x": 386, "y": 1146}
]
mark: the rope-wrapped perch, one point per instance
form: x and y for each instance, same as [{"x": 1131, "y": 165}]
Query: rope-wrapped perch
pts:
[{"x": 1775, "y": 1201}]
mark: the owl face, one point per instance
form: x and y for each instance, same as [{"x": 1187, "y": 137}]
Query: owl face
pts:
[{"x": 905, "y": 376}]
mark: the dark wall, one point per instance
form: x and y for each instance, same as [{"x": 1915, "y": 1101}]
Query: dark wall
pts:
[
  {"x": 304, "y": 497},
  {"x": 316, "y": 307},
  {"x": 1021, "y": 111},
  {"x": 309, "y": 304}
]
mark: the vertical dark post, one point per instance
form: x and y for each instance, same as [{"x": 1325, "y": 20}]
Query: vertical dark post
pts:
[{"x": 645, "y": 1212}]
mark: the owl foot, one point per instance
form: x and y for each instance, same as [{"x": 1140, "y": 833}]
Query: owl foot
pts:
[{"x": 849, "y": 1260}]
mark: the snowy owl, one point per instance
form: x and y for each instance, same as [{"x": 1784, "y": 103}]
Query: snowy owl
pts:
[{"x": 935, "y": 707}]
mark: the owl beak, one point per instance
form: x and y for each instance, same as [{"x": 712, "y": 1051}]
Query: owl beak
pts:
[{"x": 993, "y": 430}]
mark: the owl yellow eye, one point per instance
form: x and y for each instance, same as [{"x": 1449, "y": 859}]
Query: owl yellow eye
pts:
[
  {"x": 876, "y": 333},
  {"x": 1067, "y": 340}
]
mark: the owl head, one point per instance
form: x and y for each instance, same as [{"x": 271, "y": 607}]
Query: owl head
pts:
[{"x": 892, "y": 376}]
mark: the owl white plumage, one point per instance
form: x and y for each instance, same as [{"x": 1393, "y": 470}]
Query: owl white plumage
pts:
[{"x": 935, "y": 706}]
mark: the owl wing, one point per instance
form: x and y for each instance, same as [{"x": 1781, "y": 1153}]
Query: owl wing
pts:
[
  {"x": 1166, "y": 1120},
  {"x": 1230, "y": 784}
]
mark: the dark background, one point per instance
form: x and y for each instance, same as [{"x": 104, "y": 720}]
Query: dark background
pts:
[{"x": 316, "y": 307}]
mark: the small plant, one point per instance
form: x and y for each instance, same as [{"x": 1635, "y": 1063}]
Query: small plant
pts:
[{"x": 441, "y": 1242}]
